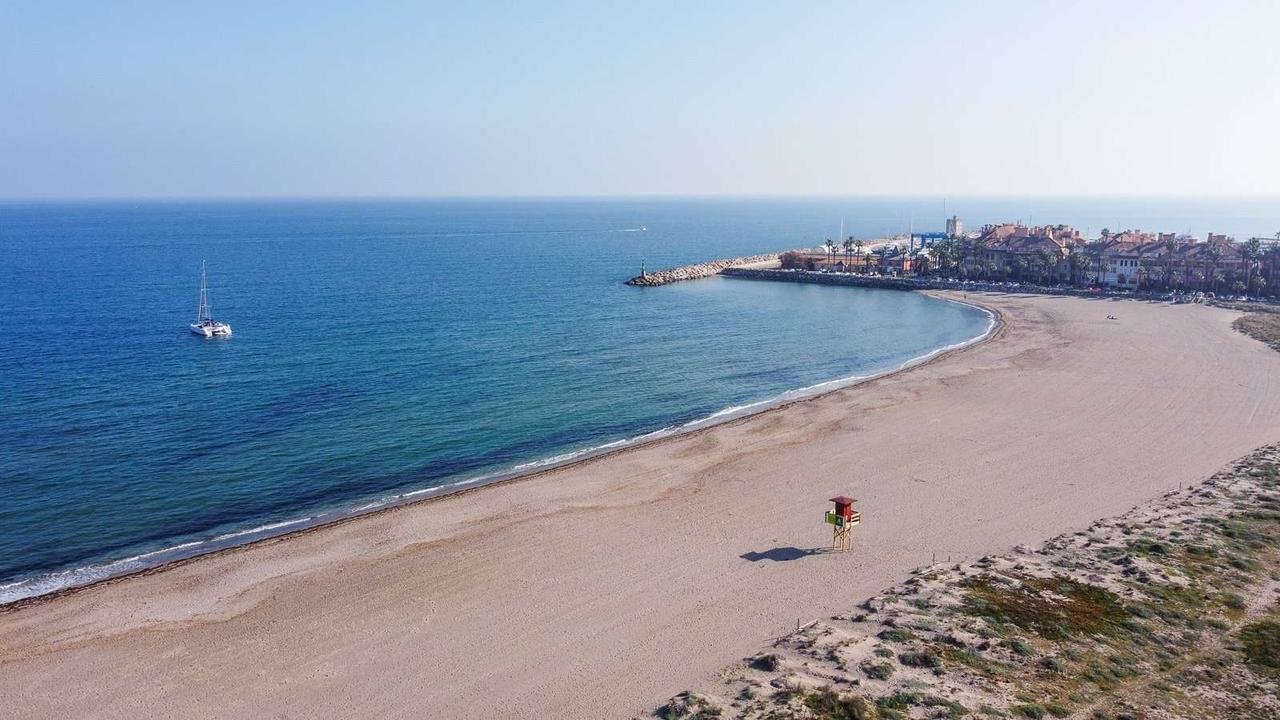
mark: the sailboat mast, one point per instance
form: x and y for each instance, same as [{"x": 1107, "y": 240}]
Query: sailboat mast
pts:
[{"x": 204, "y": 312}]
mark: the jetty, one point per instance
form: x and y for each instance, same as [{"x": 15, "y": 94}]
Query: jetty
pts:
[{"x": 700, "y": 270}]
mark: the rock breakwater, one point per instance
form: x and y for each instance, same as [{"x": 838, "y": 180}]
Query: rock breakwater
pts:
[{"x": 693, "y": 272}]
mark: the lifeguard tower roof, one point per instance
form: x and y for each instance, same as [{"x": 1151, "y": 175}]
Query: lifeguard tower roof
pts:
[{"x": 842, "y": 500}]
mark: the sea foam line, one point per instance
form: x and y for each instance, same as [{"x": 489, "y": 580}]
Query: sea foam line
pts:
[{"x": 76, "y": 577}]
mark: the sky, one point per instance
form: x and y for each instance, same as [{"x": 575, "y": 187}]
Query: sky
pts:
[{"x": 299, "y": 99}]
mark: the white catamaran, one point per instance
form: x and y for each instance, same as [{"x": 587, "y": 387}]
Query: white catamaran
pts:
[{"x": 205, "y": 325}]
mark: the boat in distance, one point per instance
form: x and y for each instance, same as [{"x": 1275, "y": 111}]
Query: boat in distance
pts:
[{"x": 205, "y": 326}]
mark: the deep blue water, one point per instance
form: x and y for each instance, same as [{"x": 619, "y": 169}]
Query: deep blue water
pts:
[{"x": 383, "y": 347}]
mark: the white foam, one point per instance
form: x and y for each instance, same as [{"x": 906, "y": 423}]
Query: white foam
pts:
[
  {"x": 53, "y": 582},
  {"x": 260, "y": 529}
]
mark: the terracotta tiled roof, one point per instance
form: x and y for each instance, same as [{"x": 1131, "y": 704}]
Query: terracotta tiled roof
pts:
[
  {"x": 1156, "y": 250},
  {"x": 1200, "y": 252},
  {"x": 1020, "y": 239}
]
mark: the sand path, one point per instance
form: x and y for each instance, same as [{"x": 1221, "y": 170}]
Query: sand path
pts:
[{"x": 602, "y": 589}]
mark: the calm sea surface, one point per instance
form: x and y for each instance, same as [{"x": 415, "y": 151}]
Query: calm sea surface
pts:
[{"x": 386, "y": 347}]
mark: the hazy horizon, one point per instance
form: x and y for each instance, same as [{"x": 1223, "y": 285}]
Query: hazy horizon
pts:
[
  {"x": 301, "y": 101},
  {"x": 18, "y": 199}
]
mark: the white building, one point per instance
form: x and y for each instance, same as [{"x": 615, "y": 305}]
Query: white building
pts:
[{"x": 955, "y": 226}]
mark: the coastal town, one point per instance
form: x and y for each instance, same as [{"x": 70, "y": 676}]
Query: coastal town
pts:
[{"x": 1059, "y": 255}]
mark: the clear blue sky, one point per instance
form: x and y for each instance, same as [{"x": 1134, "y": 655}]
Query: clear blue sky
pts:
[{"x": 300, "y": 99}]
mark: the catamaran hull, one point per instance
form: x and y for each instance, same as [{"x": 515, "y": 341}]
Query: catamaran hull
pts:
[{"x": 220, "y": 330}]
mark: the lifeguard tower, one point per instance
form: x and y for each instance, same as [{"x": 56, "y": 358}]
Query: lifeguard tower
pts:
[{"x": 843, "y": 519}]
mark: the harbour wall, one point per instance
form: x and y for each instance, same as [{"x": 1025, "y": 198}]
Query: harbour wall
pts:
[
  {"x": 915, "y": 283},
  {"x": 820, "y": 278}
]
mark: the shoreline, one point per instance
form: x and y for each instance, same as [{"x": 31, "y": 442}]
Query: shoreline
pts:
[
  {"x": 187, "y": 552},
  {"x": 614, "y": 584}
]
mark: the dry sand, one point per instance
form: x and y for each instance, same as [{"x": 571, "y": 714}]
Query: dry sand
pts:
[
  {"x": 600, "y": 589},
  {"x": 1128, "y": 593}
]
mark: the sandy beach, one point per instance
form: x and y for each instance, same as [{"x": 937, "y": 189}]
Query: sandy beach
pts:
[
  {"x": 598, "y": 590},
  {"x": 1138, "y": 616}
]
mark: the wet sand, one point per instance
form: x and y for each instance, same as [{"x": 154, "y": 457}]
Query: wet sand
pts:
[{"x": 597, "y": 590}]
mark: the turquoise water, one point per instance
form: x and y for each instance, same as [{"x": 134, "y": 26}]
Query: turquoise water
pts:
[{"x": 381, "y": 348}]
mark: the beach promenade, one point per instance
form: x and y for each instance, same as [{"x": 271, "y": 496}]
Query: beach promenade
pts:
[{"x": 598, "y": 590}]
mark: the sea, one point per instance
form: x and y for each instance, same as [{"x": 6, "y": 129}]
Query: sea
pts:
[{"x": 388, "y": 350}]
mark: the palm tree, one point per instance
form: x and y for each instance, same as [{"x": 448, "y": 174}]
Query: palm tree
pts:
[
  {"x": 1230, "y": 275},
  {"x": 986, "y": 268},
  {"x": 1170, "y": 248},
  {"x": 1104, "y": 267},
  {"x": 1044, "y": 259},
  {"x": 952, "y": 250},
  {"x": 1079, "y": 264},
  {"x": 941, "y": 250},
  {"x": 1252, "y": 253},
  {"x": 1019, "y": 268},
  {"x": 831, "y": 252},
  {"x": 848, "y": 252},
  {"x": 1146, "y": 268},
  {"x": 964, "y": 250},
  {"x": 1273, "y": 265},
  {"x": 1215, "y": 256}
]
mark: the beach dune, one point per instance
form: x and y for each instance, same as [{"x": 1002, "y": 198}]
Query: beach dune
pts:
[{"x": 601, "y": 589}]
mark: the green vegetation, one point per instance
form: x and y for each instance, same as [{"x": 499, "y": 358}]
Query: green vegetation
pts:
[
  {"x": 827, "y": 704},
  {"x": 878, "y": 671},
  {"x": 1054, "y": 608},
  {"x": 1261, "y": 642},
  {"x": 1041, "y": 710},
  {"x": 926, "y": 658},
  {"x": 794, "y": 260},
  {"x": 898, "y": 635},
  {"x": 688, "y": 706},
  {"x": 903, "y": 700}
]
